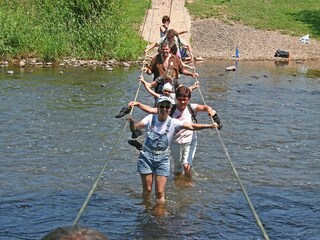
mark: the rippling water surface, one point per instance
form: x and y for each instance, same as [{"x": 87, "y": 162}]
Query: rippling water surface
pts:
[{"x": 57, "y": 131}]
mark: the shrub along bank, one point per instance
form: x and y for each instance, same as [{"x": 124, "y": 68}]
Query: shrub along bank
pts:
[{"x": 53, "y": 30}]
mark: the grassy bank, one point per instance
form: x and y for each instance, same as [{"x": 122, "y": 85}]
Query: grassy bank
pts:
[
  {"x": 294, "y": 17},
  {"x": 82, "y": 29}
]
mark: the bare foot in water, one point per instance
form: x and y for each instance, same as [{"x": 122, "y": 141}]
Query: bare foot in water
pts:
[
  {"x": 188, "y": 183},
  {"x": 160, "y": 210},
  {"x": 182, "y": 181}
]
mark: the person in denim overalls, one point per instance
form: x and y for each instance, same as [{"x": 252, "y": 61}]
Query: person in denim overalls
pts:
[{"x": 154, "y": 158}]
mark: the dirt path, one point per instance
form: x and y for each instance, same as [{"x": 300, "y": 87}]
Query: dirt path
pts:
[
  {"x": 214, "y": 39},
  {"x": 175, "y": 9}
]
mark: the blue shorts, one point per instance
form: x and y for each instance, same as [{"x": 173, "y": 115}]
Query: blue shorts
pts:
[{"x": 154, "y": 163}]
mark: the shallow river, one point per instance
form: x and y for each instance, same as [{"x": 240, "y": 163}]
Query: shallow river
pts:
[{"x": 58, "y": 131}]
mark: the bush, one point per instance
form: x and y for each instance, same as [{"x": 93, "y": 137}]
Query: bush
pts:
[{"x": 83, "y": 29}]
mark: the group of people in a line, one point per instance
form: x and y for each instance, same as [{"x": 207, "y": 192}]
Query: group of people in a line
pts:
[
  {"x": 171, "y": 124},
  {"x": 170, "y": 127}
]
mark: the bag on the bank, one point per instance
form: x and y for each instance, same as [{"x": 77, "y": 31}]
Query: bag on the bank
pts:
[
  {"x": 281, "y": 53},
  {"x": 305, "y": 39}
]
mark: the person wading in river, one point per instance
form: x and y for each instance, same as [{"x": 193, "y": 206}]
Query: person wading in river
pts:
[
  {"x": 167, "y": 64},
  {"x": 154, "y": 159},
  {"x": 183, "y": 146}
]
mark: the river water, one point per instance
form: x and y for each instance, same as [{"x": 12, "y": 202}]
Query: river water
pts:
[{"x": 58, "y": 131}]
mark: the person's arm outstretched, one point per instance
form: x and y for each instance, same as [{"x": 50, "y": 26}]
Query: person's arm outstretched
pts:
[
  {"x": 148, "y": 87},
  {"x": 205, "y": 108},
  {"x": 198, "y": 126},
  {"x": 143, "y": 107}
]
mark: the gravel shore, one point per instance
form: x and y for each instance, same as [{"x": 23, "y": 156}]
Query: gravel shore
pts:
[{"x": 217, "y": 40}]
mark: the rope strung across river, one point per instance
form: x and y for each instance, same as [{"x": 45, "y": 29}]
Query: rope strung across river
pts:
[
  {"x": 84, "y": 205},
  {"x": 257, "y": 219}
]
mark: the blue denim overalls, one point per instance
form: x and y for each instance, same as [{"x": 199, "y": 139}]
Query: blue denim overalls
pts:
[
  {"x": 154, "y": 156},
  {"x": 157, "y": 143}
]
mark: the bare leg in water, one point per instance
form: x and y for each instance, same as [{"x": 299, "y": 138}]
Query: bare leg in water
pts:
[
  {"x": 147, "y": 180},
  {"x": 184, "y": 179},
  {"x": 160, "y": 183},
  {"x": 188, "y": 175}
]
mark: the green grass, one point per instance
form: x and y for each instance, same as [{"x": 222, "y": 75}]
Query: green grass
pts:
[
  {"x": 103, "y": 29},
  {"x": 293, "y": 17},
  {"x": 84, "y": 29}
]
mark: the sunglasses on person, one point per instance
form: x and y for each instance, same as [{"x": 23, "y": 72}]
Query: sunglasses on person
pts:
[
  {"x": 162, "y": 106},
  {"x": 183, "y": 99},
  {"x": 167, "y": 91}
]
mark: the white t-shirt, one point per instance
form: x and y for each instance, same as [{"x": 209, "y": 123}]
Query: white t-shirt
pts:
[
  {"x": 160, "y": 127},
  {"x": 184, "y": 135}
]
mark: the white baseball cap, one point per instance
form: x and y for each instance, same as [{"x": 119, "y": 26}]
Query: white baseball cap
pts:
[{"x": 167, "y": 87}]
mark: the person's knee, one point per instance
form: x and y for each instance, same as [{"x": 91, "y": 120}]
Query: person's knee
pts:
[{"x": 148, "y": 189}]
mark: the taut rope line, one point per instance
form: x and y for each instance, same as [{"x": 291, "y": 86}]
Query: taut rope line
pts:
[
  {"x": 94, "y": 186},
  {"x": 84, "y": 205},
  {"x": 256, "y": 216},
  {"x": 170, "y": 9},
  {"x": 265, "y": 235}
]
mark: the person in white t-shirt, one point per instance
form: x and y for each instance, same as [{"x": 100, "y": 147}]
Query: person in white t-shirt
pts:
[
  {"x": 154, "y": 158},
  {"x": 183, "y": 146}
]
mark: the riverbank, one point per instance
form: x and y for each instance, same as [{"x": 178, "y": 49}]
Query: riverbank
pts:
[{"x": 217, "y": 40}]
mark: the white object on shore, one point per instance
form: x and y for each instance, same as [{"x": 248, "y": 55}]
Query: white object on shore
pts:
[
  {"x": 199, "y": 59},
  {"x": 305, "y": 39},
  {"x": 231, "y": 68}
]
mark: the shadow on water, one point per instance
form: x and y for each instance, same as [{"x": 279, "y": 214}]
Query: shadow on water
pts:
[{"x": 57, "y": 130}]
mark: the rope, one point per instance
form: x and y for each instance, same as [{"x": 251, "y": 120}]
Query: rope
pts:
[
  {"x": 94, "y": 186},
  {"x": 265, "y": 235},
  {"x": 170, "y": 8},
  {"x": 145, "y": 20},
  {"x": 84, "y": 205}
]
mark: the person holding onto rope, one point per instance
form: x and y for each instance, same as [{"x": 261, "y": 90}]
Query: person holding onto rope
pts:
[
  {"x": 167, "y": 89},
  {"x": 167, "y": 64},
  {"x": 174, "y": 50},
  {"x": 154, "y": 159},
  {"x": 183, "y": 146},
  {"x": 172, "y": 38},
  {"x": 165, "y": 26}
]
